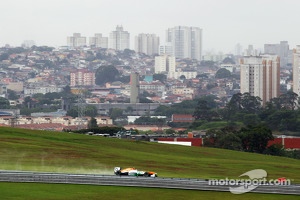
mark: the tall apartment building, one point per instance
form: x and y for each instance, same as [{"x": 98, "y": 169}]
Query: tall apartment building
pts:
[
  {"x": 164, "y": 64},
  {"x": 238, "y": 49},
  {"x": 76, "y": 40},
  {"x": 134, "y": 88},
  {"x": 282, "y": 50},
  {"x": 296, "y": 70},
  {"x": 166, "y": 49},
  {"x": 147, "y": 43},
  {"x": 119, "y": 39},
  {"x": 250, "y": 51},
  {"x": 260, "y": 76},
  {"x": 98, "y": 41},
  {"x": 82, "y": 77},
  {"x": 186, "y": 41}
]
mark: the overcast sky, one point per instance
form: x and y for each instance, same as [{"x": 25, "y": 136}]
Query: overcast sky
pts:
[{"x": 224, "y": 22}]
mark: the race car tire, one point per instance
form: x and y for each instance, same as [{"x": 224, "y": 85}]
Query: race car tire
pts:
[{"x": 146, "y": 174}]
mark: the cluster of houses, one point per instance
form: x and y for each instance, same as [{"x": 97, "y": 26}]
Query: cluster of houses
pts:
[
  {"x": 57, "y": 123},
  {"x": 46, "y": 70},
  {"x": 34, "y": 71}
]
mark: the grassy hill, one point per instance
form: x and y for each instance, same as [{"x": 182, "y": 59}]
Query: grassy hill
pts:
[{"x": 67, "y": 152}]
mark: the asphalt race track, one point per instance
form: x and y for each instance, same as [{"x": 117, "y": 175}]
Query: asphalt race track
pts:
[{"x": 96, "y": 179}]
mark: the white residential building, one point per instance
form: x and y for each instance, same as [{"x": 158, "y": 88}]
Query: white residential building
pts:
[
  {"x": 76, "y": 40},
  {"x": 119, "y": 39},
  {"x": 164, "y": 64},
  {"x": 98, "y": 41},
  {"x": 166, "y": 49},
  {"x": 229, "y": 67},
  {"x": 281, "y": 50},
  {"x": 260, "y": 76},
  {"x": 155, "y": 86},
  {"x": 186, "y": 41},
  {"x": 43, "y": 90},
  {"x": 296, "y": 70},
  {"x": 183, "y": 91},
  {"x": 147, "y": 43}
]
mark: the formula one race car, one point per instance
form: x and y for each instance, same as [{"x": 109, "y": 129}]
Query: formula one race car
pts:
[{"x": 133, "y": 172}]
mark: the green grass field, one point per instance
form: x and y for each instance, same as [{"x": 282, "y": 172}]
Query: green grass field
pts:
[
  {"x": 34, "y": 191},
  {"x": 74, "y": 153}
]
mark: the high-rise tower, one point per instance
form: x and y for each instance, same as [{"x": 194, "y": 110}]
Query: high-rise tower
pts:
[
  {"x": 296, "y": 70},
  {"x": 98, "y": 41},
  {"x": 119, "y": 39},
  {"x": 76, "y": 40},
  {"x": 147, "y": 43},
  {"x": 186, "y": 41},
  {"x": 260, "y": 76}
]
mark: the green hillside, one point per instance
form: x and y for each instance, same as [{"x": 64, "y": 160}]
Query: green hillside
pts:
[{"x": 68, "y": 152}]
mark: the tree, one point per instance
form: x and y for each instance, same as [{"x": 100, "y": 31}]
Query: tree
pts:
[
  {"x": 232, "y": 107},
  {"x": 251, "y": 119},
  {"x": 91, "y": 111},
  {"x": 4, "y": 103},
  {"x": 92, "y": 123},
  {"x": 251, "y": 104},
  {"x": 269, "y": 109},
  {"x": 12, "y": 95},
  {"x": 228, "y": 60},
  {"x": 41, "y": 48},
  {"x": 182, "y": 77},
  {"x": 129, "y": 110},
  {"x": 150, "y": 120},
  {"x": 67, "y": 89},
  {"x": 289, "y": 100},
  {"x": 128, "y": 53},
  {"x": 52, "y": 95},
  {"x": 211, "y": 100},
  {"x": 211, "y": 86},
  {"x": 203, "y": 112},
  {"x": 4, "y": 56},
  {"x": 106, "y": 74},
  {"x": 169, "y": 131},
  {"x": 283, "y": 120},
  {"x": 161, "y": 77},
  {"x": 73, "y": 112},
  {"x": 114, "y": 113},
  {"x": 223, "y": 73},
  {"x": 229, "y": 141},
  {"x": 255, "y": 138},
  {"x": 275, "y": 150},
  {"x": 207, "y": 63}
]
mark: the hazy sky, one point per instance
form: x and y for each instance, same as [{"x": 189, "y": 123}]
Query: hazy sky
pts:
[{"x": 224, "y": 22}]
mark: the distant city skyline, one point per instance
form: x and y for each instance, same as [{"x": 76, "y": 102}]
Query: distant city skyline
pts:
[{"x": 224, "y": 23}]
